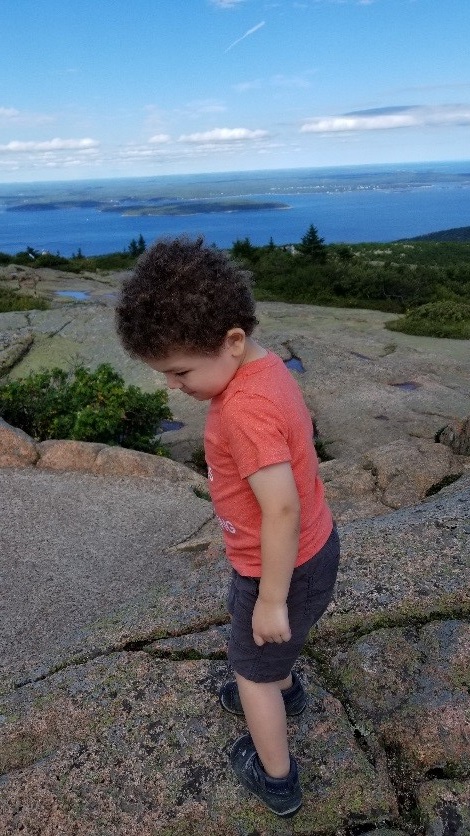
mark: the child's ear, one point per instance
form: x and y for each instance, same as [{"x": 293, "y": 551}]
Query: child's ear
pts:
[{"x": 235, "y": 341}]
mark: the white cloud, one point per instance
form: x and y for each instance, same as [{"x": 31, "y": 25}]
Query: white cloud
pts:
[
  {"x": 160, "y": 139},
  {"x": 19, "y": 117},
  {"x": 226, "y": 4},
  {"x": 279, "y": 80},
  {"x": 249, "y": 32},
  {"x": 9, "y": 113},
  {"x": 223, "y": 135},
  {"x": 200, "y": 107},
  {"x": 339, "y": 3},
  {"x": 244, "y": 86},
  {"x": 56, "y": 144},
  {"x": 389, "y": 118},
  {"x": 289, "y": 81}
]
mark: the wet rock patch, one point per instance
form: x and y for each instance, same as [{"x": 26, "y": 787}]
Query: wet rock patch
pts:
[{"x": 407, "y": 385}]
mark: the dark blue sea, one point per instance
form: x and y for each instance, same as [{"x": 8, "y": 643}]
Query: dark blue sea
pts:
[{"x": 349, "y": 204}]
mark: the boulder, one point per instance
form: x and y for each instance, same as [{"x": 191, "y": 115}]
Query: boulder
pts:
[
  {"x": 17, "y": 448},
  {"x": 67, "y": 455},
  {"x": 457, "y": 436},
  {"x": 16, "y": 271},
  {"x": 410, "y": 687},
  {"x": 104, "y": 460},
  {"x": 410, "y": 469},
  {"x": 346, "y": 478},
  {"x": 350, "y": 489},
  {"x": 13, "y": 347},
  {"x": 117, "y": 461},
  {"x": 391, "y": 476},
  {"x": 445, "y": 807}
]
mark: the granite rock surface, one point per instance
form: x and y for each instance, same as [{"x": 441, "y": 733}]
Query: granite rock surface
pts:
[
  {"x": 109, "y": 719},
  {"x": 113, "y": 613}
]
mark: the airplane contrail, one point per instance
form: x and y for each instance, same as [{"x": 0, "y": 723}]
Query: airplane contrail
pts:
[{"x": 250, "y": 32}]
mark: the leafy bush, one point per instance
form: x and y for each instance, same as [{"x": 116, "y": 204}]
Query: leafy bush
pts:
[
  {"x": 85, "y": 406},
  {"x": 437, "y": 319},
  {"x": 50, "y": 260},
  {"x": 110, "y": 262},
  {"x": 389, "y": 277},
  {"x": 78, "y": 263},
  {"x": 12, "y": 301}
]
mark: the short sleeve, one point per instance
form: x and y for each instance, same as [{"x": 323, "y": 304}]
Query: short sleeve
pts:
[{"x": 256, "y": 432}]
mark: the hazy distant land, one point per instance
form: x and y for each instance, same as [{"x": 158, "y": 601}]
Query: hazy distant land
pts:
[
  {"x": 354, "y": 204},
  {"x": 460, "y": 233},
  {"x": 180, "y": 207},
  {"x": 195, "y": 207}
]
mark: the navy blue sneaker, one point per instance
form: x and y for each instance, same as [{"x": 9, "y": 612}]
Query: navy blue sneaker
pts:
[
  {"x": 295, "y": 698},
  {"x": 283, "y": 796}
]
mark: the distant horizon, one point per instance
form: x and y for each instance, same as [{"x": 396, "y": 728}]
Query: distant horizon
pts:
[
  {"x": 246, "y": 171},
  {"x": 365, "y": 202}
]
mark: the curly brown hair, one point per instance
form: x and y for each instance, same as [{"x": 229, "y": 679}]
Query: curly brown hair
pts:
[{"x": 183, "y": 295}]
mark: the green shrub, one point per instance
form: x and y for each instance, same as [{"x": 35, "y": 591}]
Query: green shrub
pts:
[
  {"x": 12, "y": 301},
  {"x": 85, "y": 406},
  {"x": 437, "y": 319},
  {"x": 51, "y": 260}
]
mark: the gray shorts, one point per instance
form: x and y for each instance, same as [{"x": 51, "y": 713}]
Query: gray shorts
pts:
[{"x": 310, "y": 592}]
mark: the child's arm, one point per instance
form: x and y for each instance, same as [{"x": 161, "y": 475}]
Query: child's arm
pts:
[{"x": 276, "y": 492}]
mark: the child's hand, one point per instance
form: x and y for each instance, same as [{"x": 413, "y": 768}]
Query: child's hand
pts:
[{"x": 270, "y": 623}]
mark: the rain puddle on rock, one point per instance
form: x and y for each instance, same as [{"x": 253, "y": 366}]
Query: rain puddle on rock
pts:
[
  {"x": 80, "y": 295},
  {"x": 362, "y": 356},
  {"x": 167, "y": 425},
  {"x": 407, "y": 385},
  {"x": 295, "y": 365}
]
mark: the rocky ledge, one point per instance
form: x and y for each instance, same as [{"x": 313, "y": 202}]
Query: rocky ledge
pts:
[
  {"x": 115, "y": 628},
  {"x": 114, "y": 623}
]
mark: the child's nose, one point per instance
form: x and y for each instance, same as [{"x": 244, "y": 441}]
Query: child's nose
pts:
[{"x": 173, "y": 382}]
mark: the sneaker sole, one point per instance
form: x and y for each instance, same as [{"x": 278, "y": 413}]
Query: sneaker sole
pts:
[
  {"x": 286, "y": 814},
  {"x": 289, "y": 814}
]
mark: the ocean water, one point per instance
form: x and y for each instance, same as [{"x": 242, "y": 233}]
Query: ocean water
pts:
[{"x": 349, "y": 204}]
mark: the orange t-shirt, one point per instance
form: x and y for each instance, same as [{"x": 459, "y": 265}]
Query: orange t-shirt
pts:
[{"x": 258, "y": 420}]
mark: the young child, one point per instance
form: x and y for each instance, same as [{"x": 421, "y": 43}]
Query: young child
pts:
[{"x": 188, "y": 312}]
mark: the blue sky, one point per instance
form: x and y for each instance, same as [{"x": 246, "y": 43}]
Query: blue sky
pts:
[{"x": 109, "y": 88}]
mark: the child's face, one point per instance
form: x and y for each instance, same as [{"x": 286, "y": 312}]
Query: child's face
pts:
[{"x": 201, "y": 376}]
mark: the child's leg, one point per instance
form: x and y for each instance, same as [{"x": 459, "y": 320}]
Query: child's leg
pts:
[{"x": 266, "y": 719}]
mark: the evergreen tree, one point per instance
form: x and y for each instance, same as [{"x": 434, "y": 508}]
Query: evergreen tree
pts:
[
  {"x": 132, "y": 248},
  {"x": 312, "y": 246},
  {"x": 136, "y": 248},
  {"x": 243, "y": 249}
]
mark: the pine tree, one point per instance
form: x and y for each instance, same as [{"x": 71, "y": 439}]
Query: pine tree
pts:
[
  {"x": 132, "y": 248},
  {"x": 312, "y": 246}
]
